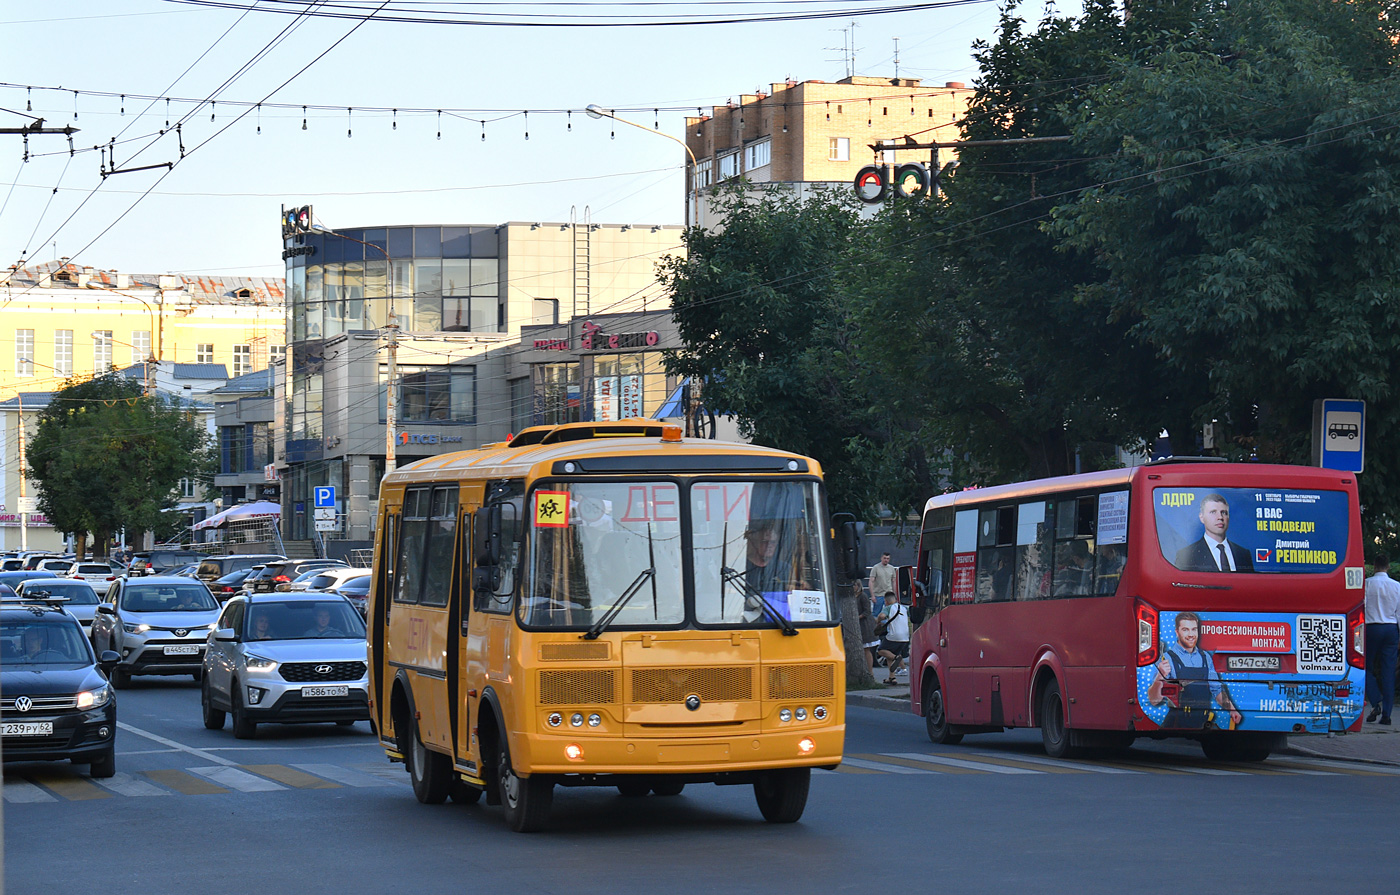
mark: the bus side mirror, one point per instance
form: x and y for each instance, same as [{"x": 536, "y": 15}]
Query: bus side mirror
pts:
[
  {"x": 847, "y": 546},
  {"x": 488, "y": 542}
]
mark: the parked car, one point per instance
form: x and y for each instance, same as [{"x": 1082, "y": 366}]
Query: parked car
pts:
[
  {"x": 78, "y": 597},
  {"x": 160, "y": 562},
  {"x": 58, "y": 565},
  {"x": 229, "y": 585},
  {"x": 32, "y": 560},
  {"x": 56, "y": 703},
  {"x": 326, "y": 579},
  {"x": 98, "y": 574},
  {"x": 211, "y": 568},
  {"x": 356, "y": 590},
  {"x": 285, "y": 658},
  {"x": 158, "y": 625},
  {"x": 283, "y": 571},
  {"x": 13, "y": 579},
  {"x": 186, "y": 571}
]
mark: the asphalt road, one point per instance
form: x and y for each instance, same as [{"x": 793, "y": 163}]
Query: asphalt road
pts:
[{"x": 317, "y": 808}]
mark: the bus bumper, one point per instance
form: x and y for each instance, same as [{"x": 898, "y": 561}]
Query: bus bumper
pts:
[{"x": 681, "y": 756}]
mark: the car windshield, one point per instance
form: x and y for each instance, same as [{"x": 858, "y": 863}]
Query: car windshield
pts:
[
  {"x": 758, "y": 549},
  {"x": 303, "y": 620},
  {"x": 358, "y": 584},
  {"x": 43, "y": 643},
  {"x": 191, "y": 597},
  {"x": 77, "y": 593},
  {"x": 604, "y": 553}
]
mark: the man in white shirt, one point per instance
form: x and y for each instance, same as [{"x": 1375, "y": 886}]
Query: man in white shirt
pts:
[
  {"x": 894, "y": 642},
  {"x": 1382, "y": 639}
]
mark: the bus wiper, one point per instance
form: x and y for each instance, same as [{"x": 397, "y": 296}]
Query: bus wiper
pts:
[
  {"x": 738, "y": 580},
  {"x": 636, "y": 585}
]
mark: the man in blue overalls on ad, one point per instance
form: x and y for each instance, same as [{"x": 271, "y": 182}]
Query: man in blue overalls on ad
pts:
[{"x": 1200, "y": 683}]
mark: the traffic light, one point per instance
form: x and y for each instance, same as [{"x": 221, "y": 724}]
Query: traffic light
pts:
[{"x": 296, "y": 221}]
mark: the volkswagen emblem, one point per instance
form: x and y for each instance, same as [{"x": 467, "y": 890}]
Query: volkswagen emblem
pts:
[
  {"x": 323, "y": 669},
  {"x": 23, "y": 704},
  {"x": 181, "y": 632},
  {"x": 692, "y": 702}
]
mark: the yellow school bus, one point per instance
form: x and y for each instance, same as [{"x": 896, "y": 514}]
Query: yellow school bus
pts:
[{"x": 607, "y": 604}]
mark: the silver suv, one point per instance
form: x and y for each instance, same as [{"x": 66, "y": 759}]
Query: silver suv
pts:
[
  {"x": 286, "y": 658},
  {"x": 158, "y": 624}
]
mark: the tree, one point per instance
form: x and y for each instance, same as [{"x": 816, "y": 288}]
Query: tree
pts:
[{"x": 106, "y": 457}]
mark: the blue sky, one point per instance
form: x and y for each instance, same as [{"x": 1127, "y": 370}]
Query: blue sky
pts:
[{"x": 217, "y": 210}]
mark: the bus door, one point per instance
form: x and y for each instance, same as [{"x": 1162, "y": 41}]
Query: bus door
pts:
[
  {"x": 496, "y": 548},
  {"x": 462, "y": 681},
  {"x": 386, "y": 555}
]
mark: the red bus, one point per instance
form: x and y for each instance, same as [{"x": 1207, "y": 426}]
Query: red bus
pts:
[{"x": 1216, "y": 601}]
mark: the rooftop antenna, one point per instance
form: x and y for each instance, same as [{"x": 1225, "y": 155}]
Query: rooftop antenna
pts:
[{"x": 896, "y": 59}]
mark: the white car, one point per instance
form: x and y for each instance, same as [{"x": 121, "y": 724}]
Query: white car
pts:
[
  {"x": 327, "y": 579},
  {"x": 99, "y": 574}
]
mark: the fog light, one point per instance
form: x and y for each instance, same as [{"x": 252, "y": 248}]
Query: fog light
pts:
[
  {"x": 555, "y": 719},
  {"x": 573, "y": 752},
  {"x": 819, "y": 713},
  {"x": 806, "y": 745},
  {"x": 802, "y": 714},
  {"x": 785, "y": 715},
  {"x": 594, "y": 720},
  {"x": 254, "y": 695},
  {"x": 576, "y": 719},
  {"x": 103, "y": 732}
]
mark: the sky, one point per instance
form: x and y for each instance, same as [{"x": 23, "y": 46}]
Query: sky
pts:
[{"x": 216, "y": 210}]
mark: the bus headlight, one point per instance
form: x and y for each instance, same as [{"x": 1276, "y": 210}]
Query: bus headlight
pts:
[
  {"x": 576, "y": 719},
  {"x": 785, "y": 715},
  {"x": 555, "y": 719},
  {"x": 595, "y": 719},
  {"x": 802, "y": 714}
]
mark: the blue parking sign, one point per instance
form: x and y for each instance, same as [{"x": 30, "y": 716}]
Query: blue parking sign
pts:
[{"x": 324, "y": 496}]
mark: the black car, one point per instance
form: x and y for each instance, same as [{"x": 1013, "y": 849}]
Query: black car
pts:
[
  {"x": 160, "y": 562},
  {"x": 212, "y": 568},
  {"x": 229, "y": 585},
  {"x": 282, "y": 572},
  {"x": 356, "y": 590},
  {"x": 56, "y": 701}
]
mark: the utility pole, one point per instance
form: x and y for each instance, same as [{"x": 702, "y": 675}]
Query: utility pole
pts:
[
  {"x": 391, "y": 425},
  {"x": 23, "y": 515}
]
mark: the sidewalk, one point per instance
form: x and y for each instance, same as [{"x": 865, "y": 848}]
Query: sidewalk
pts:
[{"x": 1374, "y": 743}]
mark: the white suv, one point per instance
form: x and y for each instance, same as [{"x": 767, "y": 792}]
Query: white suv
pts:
[
  {"x": 99, "y": 574},
  {"x": 159, "y": 625}
]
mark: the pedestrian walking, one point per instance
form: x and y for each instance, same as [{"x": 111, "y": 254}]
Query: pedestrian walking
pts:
[
  {"x": 1382, "y": 639},
  {"x": 893, "y": 627}
]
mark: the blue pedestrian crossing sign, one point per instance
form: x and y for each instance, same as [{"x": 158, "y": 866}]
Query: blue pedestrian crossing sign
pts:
[
  {"x": 324, "y": 496},
  {"x": 1339, "y": 434}
]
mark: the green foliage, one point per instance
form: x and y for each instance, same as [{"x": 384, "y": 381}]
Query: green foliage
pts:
[{"x": 106, "y": 456}]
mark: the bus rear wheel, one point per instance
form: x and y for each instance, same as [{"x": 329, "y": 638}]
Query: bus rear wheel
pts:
[
  {"x": 1239, "y": 746},
  {"x": 782, "y": 795},
  {"x": 526, "y": 800},
  {"x": 1053, "y": 733},
  {"x": 936, "y": 714},
  {"x": 431, "y": 772}
]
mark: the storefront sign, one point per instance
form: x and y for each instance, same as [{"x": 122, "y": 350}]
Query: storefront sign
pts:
[
  {"x": 594, "y": 339},
  {"x": 11, "y": 520},
  {"x": 551, "y": 344},
  {"x": 411, "y": 438}
]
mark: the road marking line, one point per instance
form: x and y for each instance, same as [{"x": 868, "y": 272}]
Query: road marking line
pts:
[
  {"x": 1069, "y": 765},
  {"x": 342, "y": 774},
  {"x": 843, "y": 769},
  {"x": 127, "y": 785},
  {"x": 920, "y": 765},
  {"x": 233, "y": 778},
  {"x": 985, "y": 767},
  {"x": 888, "y": 768},
  {"x": 190, "y": 750},
  {"x": 1037, "y": 767},
  {"x": 1208, "y": 770},
  {"x": 1340, "y": 766},
  {"x": 393, "y": 773},
  {"x": 290, "y": 776},
  {"x": 181, "y": 782},
  {"x": 70, "y": 787},
  {"x": 1134, "y": 767},
  {"x": 18, "y": 790}
]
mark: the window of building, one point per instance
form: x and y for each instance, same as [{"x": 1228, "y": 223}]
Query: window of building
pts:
[
  {"x": 242, "y": 360},
  {"x": 277, "y": 353},
  {"x": 758, "y": 153},
  {"x": 63, "y": 352},
  {"x": 24, "y": 352},
  {"x": 432, "y": 394},
  {"x": 704, "y": 174},
  {"x": 729, "y": 165},
  {"x": 204, "y": 354},
  {"x": 140, "y": 346},
  {"x": 522, "y": 404},
  {"x": 627, "y": 385},
  {"x": 839, "y": 149},
  {"x": 102, "y": 351},
  {"x": 546, "y": 311},
  {"x": 557, "y": 393},
  {"x": 188, "y": 487}
]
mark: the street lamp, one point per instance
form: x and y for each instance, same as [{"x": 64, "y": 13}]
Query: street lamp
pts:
[{"x": 596, "y": 111}]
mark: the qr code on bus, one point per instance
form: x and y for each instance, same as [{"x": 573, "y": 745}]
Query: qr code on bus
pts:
[{"x": 1321, "y": 644}]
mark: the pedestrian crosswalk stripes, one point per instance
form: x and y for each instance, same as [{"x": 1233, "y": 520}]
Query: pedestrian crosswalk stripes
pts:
[{"x": 32, "y": 784}]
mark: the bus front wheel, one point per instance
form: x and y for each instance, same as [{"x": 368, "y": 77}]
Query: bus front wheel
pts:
[
  {"x": 782, "y": 795},
  {"x": 936, "y": 715},
  {"x": 1053, "y": 733},
  {"x": 526, "y": 800}
]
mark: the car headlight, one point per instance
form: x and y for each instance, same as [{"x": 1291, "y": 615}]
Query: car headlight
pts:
[
  {"x": 134, "y": 628},
  {"x": 259, "y": 663},
  {"x": 91, "y": 699}
]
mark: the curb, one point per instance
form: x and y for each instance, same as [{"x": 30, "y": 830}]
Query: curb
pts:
[
  {"x": 1313, "y": 753},
  {"x": 889, "y": 700}
]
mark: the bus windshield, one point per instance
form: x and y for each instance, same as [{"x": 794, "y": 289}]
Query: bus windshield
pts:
[
  {"x": 758, "y": 551},
  {"x": 601, "y": 548},
  {"x": 1251, "y": 530}
]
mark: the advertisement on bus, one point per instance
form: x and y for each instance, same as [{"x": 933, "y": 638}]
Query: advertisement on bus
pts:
[
  {"x": 1280, "y": 672},
  {"x": 1243, "y": 530}
]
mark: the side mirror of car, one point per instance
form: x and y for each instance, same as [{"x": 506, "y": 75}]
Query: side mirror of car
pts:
[
  {"x": 847, "y": 538},
  {"x": 225, "y": 635},
  {"x": 108, "y": 660},
  {"x": 106, "y": 608}
]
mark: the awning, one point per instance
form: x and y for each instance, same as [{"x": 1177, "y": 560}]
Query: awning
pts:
[{"x": 260, "y": 509}]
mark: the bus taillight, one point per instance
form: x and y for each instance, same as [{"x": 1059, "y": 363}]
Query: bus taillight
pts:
[
  {"x": 1356, "y": 627},
  {"x": 1147, "y": 634}
]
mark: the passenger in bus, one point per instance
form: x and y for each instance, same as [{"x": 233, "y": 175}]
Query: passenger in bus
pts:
[
  {"x": 1072, "y": 571},
  {"x": 1194, "y": 670},
  {"x": 1213, "y": 552}
]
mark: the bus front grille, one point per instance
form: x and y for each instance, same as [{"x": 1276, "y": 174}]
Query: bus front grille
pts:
[
  {"x": 594, "y": 686},
  {"x": 801, "y": 681},
  {"x": 721, "y": 684}
]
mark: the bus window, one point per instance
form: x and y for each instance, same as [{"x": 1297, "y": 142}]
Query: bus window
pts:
[
  {"x": 411, "y": 544},
  {"x": 441, "y": 536},
  {"x": 1034, "y": 546},
  {"x": 996, "y": 554},
  {"x": 755, "y": 540},
  {"x": 936, "y": 565}
]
